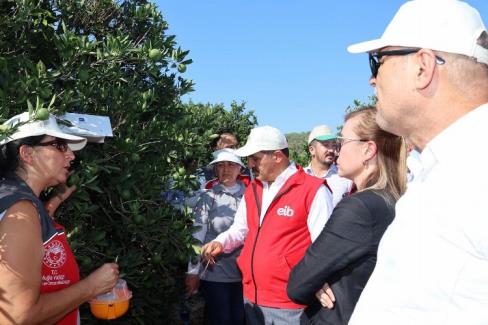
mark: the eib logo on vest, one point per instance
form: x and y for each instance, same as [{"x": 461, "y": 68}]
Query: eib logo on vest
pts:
[{"x": 286, "y": 211}]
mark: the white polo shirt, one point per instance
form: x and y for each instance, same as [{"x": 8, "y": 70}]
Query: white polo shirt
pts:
[{"x": 433, "y": 260}]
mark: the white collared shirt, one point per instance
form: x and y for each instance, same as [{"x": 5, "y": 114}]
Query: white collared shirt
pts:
[
  {"x": 320, "y": 211},
  {"x": 433, "y": 259},
  {"x": 340, "y": 186}
]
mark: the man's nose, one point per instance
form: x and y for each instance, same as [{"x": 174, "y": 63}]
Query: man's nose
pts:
[{"x": 372, "y": 81}]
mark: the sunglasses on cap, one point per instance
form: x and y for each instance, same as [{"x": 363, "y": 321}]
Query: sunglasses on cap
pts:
[
  {"x": 60, "y": 144},
  {"x": 375, "y": 58}
]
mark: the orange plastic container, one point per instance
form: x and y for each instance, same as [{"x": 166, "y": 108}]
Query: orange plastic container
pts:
[{"x": 112, "y": 305}]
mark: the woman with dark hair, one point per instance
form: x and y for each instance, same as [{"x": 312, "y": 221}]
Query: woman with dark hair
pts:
[
  {"x": 39, "y": 278},
  {"x": 335, "y": 269}
]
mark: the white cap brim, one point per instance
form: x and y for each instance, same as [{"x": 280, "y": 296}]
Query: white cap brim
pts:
[
  {"x": 75, "y": 143},
  {"x": 368, "y": 46},
  {"x": 246, "y": 151}
]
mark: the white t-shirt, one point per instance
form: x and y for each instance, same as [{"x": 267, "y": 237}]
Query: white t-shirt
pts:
[{"x": 433, "y": 259}]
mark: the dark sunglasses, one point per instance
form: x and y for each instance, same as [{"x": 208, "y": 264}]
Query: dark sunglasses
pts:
[
  {"x": 60, "y": 144},
  {"x": 375, "y": 58}
]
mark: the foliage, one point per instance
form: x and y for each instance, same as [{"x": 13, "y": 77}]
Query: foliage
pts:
[
  {"x": 297, "y": 143},
  {"x": 357, "y": 104},
  {"x": 115, "y": 58}
]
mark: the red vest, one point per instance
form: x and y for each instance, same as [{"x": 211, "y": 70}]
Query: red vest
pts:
[
  {"x": 59, "y": 269},
  {"x": 271, "y": 250}
]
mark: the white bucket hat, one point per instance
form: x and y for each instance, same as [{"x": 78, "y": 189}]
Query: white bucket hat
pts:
[
  {"x": 36, "y": 128},
  {"x": 443, "y": 25},
  {"x": 226, "y": 154},
  {"x": 263, "y": 138},
  {"x": 321, "y": 133}
]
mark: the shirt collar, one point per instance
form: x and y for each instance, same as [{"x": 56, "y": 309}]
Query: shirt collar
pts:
[
  {"x": 332, "y": 171},
  {"x": 440, "y": 148},
  {"x": 282, "y": 178}
]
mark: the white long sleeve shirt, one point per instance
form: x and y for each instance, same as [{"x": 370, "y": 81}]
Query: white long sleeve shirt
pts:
[
  {"x": 433, "y": 260},
  {"x": 320, "y": 211}
]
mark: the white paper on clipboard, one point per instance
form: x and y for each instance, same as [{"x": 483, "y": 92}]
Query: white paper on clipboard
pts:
[{"x": 93, "y": 127}]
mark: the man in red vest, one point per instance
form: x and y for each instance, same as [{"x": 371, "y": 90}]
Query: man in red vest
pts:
[{"x": 283, "y": 211}]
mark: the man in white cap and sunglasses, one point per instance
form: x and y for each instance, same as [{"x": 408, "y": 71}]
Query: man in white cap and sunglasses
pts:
[
  {"x": 281, "y": 214},
  {"x": 323, "y": 147},
  {"x": 430, "y": 74}
]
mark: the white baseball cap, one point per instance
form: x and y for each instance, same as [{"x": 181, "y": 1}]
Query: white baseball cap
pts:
[
  {"x": 263, "y": 138},
  {"x": 321, "y": 133},
  {"x": 443, "y": 25},
  {"x": 36, "y": 128},
  {"x": 226, "y": 154}
]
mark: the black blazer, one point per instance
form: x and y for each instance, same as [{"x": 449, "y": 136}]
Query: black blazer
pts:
[{"x": 344, "y": 255}]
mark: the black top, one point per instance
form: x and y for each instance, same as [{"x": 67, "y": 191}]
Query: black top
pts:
[
  {"x": 13, "y": 190},
  {"x": 344, "y": 255}
]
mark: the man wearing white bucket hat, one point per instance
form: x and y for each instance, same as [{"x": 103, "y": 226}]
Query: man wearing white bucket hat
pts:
[
  {"x": 430, "y": 74},
  {"x": 279, "y": 217}
]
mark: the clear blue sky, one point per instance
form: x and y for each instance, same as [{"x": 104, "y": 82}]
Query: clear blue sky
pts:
[{"x": 286, "y": 59}]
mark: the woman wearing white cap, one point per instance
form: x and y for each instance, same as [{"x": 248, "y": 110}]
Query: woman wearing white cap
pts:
[
  {"x": 39, "y": 278},
  {"x": 220, "y": 283}
]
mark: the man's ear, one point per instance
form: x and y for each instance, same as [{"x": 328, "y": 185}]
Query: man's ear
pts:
[
  {"x": 311, "y": 149},
  {"x": 425, "y": 65},
  {"x": 278, "y": 156},
  {"x": 26, "y": 154}
]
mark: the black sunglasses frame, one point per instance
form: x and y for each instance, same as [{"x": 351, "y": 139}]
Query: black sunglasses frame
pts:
[
  {"x": 60, "y": 144},
  {"x": 375, "y": 58}
]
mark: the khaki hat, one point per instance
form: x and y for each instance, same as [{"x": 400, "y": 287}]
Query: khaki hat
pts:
[
  {"x": 321, "y": 133},
  {"x": 262, "y": 138},
  {"x": 36, "y": 128},
  {"x": 442, "y": 25}
]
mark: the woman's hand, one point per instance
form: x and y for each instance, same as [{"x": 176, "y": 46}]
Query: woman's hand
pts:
[
  {"x": 103, "y": 279},
  {"x": 192, "y": 282},
  {"x": 326, "y": 296},
  {"x": 211, "y": 250},
  {"x": 63, "y": 192}
]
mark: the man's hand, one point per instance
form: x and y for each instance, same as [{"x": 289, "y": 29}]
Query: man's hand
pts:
[
  {"x": 192, "y": 282},
  {"x": 211, "y": 250},
  {"x": 326, "y": 296}
]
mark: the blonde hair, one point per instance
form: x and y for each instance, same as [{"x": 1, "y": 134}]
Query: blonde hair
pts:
[{"x": 391, "y": 174}]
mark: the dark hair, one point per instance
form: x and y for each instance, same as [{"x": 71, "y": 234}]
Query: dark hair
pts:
[
  {"x": 9, "y": 154},
  {"x": 286, "y": 152},
  {"x": 225, "y": 140}
]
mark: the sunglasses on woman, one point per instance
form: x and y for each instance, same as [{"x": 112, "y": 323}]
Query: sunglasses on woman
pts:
[{"x": 60, "y": 144}]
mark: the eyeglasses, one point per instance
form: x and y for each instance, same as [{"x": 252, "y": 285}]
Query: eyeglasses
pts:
[
  {"x": 60, "y": 144},
  {"x": 341, "y": 141},
  {"x": 375, "y": 58}
]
